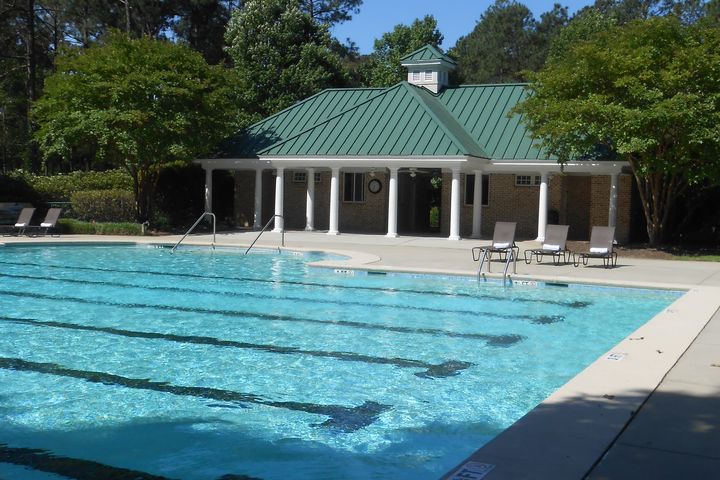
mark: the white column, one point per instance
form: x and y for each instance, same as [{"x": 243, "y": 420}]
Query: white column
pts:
[
  {"x": 334, "y": 202},
  {"x": 392, "y": 203},
  {"x": 612, "y": 211},
  {"x": 310, "y": 201},
  {"x": 477, "y": 205},
  {"x": 208, "y": 189},
  {"x": 455, "y": 205},
  {"x": 279, "y": 187},
  {"x": 257, "y": 215},
  {"x": 542, "y": 207}
]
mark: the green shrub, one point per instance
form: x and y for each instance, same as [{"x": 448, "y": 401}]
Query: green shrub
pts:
[
  {"x": 103, "y": 205},
  {"x": 60, "y": 188},
  {"x": 77, "y": 227}
]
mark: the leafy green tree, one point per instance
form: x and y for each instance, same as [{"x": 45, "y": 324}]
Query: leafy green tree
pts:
[
  {"x": 281, "y": 55},
  {"x": 506, "y": 41},
  {"x": 138, "y": 104},
  {"x": 649, "y": 92},
  {"x": 384, "y": 69}
]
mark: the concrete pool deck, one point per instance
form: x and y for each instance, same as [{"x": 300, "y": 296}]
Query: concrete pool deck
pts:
[{"x": 645, "y": 409}]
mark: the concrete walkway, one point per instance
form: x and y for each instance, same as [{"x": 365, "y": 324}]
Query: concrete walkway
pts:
[{"x": 650, "y": 414}]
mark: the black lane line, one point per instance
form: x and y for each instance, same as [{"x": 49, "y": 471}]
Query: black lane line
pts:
[
  {"x": 446, "y": 369},
  {"x": 492, "y": 340},
  {"x": 574, "y": 304},
  {"x": 345, "y": 419},
  {"x": 535, "y": 319},
  {"x": 76, "y": 468}
]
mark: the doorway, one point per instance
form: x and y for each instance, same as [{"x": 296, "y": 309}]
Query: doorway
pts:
[{"x": 419, "y": 201}]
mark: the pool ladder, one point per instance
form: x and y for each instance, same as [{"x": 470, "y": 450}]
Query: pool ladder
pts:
[
  {"x": 282, "y": 232},
  {"x": 193, "y": 227},
  {"x": 487, "y": 254}
]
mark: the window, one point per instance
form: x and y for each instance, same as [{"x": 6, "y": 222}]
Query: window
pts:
[
  {"x": 527, "y": 180},
  {"x": 416, "y": 75},
  {"x": 470, "y": 189},
  {"x": 428, "y": 74},
  {"x": 301, "y": 177},
  {"x": 354, "y": 187}
]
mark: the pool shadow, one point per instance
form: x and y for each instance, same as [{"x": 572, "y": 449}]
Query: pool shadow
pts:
[{"x": 671, "y": 434}]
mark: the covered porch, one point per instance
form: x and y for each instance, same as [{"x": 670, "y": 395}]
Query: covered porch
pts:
[{"x": 371, "y": 196}]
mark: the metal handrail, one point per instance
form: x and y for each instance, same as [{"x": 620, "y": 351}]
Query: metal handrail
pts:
[
  {"x": 193, "y": 227},
  {"x": 263, "y": 230}
]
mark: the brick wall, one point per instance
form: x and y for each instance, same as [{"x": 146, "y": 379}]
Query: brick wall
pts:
[{"x": 578, "y": 201}]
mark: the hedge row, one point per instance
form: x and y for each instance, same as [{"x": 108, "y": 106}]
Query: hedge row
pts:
[
  {"x": 77, "y": 227},
  {"x": 103, "y": 205},
  {"x": 59, "y": 188}
]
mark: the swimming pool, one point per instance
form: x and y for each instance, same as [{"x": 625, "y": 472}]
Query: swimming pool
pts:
[{"x": 208, "y": 364}]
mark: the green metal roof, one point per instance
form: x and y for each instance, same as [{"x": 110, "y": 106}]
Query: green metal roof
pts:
[
  {"x": 292, "y": 120},
  {"x": 404, "y": 120},
  {"x": 425, "y": 54},
  {"x": 483, "y": 112}
]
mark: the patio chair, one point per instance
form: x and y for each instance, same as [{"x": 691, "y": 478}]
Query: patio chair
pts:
[
  {"x": 22, "y": 222},
  {"x": 601, "y": 246},
  {"x": 50, "y": 222},
  {"x": 503, "y": 243},
  {"x": 554, "y": 246}
]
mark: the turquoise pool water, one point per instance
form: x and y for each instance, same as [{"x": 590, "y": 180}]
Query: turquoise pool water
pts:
[{"x": 135, "y": 362}]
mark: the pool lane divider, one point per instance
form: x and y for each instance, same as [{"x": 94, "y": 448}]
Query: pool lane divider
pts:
[
  {"x": 476, "y": 295},
  {"x": 76, "y": 468},
  {"x": 445, "y": 369},
  {"x": 505, "y": 340},
  {"x": 535, "y": 319},
  {"x": 340, "y": 418}
]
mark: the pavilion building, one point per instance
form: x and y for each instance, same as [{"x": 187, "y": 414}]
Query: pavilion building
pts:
[{"x": 420, "y": 157}]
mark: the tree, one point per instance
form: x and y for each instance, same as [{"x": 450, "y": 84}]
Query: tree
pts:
[
  {"x": 281, "y": 55},
  {"x": 202, "y": 24},
  {"x": 383, "y": 68},
  {"x": 506, "y": 41},
  {"x": 649, "y": 92},
  {"x": 331, "y": 12},
  {"x": 138, "y": 104}
]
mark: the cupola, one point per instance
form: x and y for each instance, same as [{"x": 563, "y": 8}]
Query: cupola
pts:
[{"x": 428, "y": 67}]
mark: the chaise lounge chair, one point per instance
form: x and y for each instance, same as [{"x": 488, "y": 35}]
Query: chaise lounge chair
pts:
[
  {"x": 601, "y": 246},
  {"x": 503, "y": 243},
  {"x": 23, "y": 221},
  {"x": 554, "y": 245},
  {"x": 50, "y": 222}
]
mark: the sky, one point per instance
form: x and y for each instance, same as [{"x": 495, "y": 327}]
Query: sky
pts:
[{"x": 455, "y": 17}]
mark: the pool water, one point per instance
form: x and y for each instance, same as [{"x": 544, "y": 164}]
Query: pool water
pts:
[{"x": 139, "y": 363}]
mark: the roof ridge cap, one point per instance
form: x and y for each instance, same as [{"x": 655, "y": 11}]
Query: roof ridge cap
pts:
[
  {"x": 453, "y": 137},
  {"x": 333, "y": 117}
]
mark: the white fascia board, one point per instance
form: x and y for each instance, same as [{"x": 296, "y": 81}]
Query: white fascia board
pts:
[
  {"x": 550, "y": 166},
  {"x": 369, "y": 162},
  {"x": 428, "y": 63},
  {"x": 231, "y": 163}
]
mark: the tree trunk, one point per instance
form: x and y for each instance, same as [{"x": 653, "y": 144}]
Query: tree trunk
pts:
[
  {"x": 658, "y": 194},
  {"x": 33, "y": 156}
]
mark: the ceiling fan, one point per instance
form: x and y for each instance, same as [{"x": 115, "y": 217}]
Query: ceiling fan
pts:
[{"x": 414, "y": 171}]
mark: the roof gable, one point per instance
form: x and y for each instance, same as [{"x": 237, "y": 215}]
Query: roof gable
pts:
[{"x": 401, "y": 121}]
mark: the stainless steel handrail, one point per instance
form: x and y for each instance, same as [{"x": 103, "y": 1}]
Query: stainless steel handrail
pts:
[
  {"x": 263, "y": 230},
  {"x": 193, "y": 227}
]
